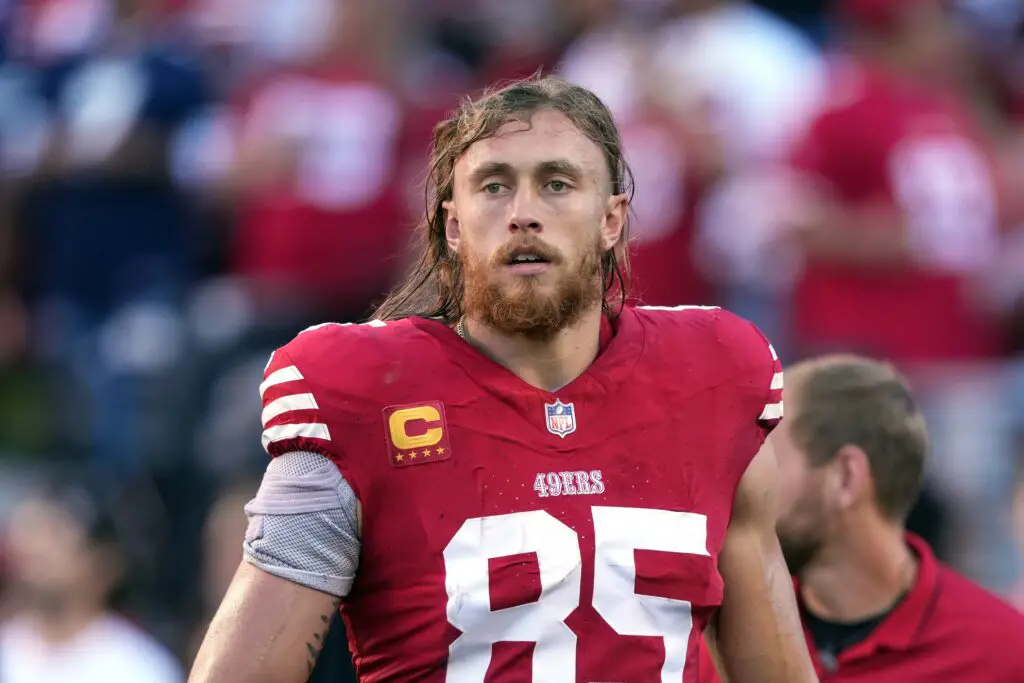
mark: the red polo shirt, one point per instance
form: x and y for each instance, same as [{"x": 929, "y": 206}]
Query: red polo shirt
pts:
[{"x": 947, "y": 629}]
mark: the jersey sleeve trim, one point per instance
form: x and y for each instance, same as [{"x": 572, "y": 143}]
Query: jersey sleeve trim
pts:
[
  {"x": 290, "y": 417},
  {"x": 286, "y": 404},
  {"x": 773, "y": 407},
  {"x": 287, "y": 432},
  {"x": 280, "y": 376}
]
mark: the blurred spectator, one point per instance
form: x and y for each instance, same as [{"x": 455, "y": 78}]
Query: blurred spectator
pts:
[
  {"x": 106, "y": 231},
  {"x": 903, "y": 212},
  {"x": 995, "y": 86},
  {"x": 760, "y": 78},
  {"x": 313, "y": 165},
  {"x": 64, "y": 562}
]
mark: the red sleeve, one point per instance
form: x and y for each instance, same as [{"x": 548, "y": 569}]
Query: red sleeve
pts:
[{"x": 291, "y": 415}]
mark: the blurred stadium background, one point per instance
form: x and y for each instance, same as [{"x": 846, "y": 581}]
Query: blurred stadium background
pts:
[{"x": 187, "y": 183}]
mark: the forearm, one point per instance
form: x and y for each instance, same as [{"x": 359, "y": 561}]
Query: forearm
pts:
[
  {"x": 262, "y": 635},
  {"x": 759, "y": 635},
  {"x": 759, "y": 638}
]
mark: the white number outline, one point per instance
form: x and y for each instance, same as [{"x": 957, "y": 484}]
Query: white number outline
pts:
[{"x": 618, "y": 532}]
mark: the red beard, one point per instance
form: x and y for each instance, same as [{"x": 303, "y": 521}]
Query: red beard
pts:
[{"x": 520, "y": 308}]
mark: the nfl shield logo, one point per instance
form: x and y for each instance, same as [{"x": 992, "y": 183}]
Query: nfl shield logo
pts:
[{"x": 561, "y": 418}]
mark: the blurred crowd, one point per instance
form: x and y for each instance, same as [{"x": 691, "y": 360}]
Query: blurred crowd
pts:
[{"x": 185, "y": 184}]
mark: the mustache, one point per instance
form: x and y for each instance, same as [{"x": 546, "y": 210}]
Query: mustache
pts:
[{"x": 531, "y": 245}]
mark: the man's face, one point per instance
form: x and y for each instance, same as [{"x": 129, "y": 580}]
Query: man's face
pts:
[
  {"x": 804, "y": 517},
  {"x": 530, "y": 218}
]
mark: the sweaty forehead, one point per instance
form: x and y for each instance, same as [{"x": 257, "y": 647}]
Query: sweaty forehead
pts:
[{"x": 545, "y": 136}]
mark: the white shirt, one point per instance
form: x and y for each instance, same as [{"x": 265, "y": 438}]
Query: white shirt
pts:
[{"x": 110, "y": 650}]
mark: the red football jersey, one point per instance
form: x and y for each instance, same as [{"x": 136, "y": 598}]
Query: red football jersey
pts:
[
  {"x": 510, "y": 533},
  {"x": 883, "y": 142},
  {"x": 945, "y": 629}
]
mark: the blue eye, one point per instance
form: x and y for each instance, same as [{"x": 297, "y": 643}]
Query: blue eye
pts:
[
  {"x": 492, "y": 188},
  {"x": 558, "y": 185}
]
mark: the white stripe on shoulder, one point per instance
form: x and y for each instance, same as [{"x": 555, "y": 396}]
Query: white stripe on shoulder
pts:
[
  {"x": 772, "y": 411},
  {"x": 679, "y": 308},
  {"x": 288, "y": 404},
  {"x": 776, "y": 381},
  {"x": 280, "y": 376},
  {"x": 775, "y": 356},
  {"x": 369, "y": 323},
  {"x": 311, "y": 328},
  {"x": 312, "y": 430}
]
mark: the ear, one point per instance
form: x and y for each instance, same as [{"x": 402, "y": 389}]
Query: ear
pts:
[
  {"x": 854, "y": 482},
  {"x": 614, "y": 221},
  {"x": 452, "y": 230}
]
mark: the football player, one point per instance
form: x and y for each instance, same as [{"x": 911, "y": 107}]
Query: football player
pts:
[{"x": 509, "y": 474}]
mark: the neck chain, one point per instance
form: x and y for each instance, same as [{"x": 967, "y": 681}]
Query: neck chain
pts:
[{"x": 460, "y": 328}]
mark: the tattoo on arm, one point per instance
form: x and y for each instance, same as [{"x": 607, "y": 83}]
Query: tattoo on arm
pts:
[{"x": 314, "y": 646}]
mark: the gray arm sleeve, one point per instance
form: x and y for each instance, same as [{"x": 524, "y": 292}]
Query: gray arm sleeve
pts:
[{"x": 302, "y": 524}]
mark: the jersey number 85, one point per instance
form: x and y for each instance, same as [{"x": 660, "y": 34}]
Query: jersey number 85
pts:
[{"x": 618, "y": 532}]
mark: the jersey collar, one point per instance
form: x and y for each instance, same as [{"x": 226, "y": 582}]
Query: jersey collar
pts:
[{"x": 621, "y": 344}]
